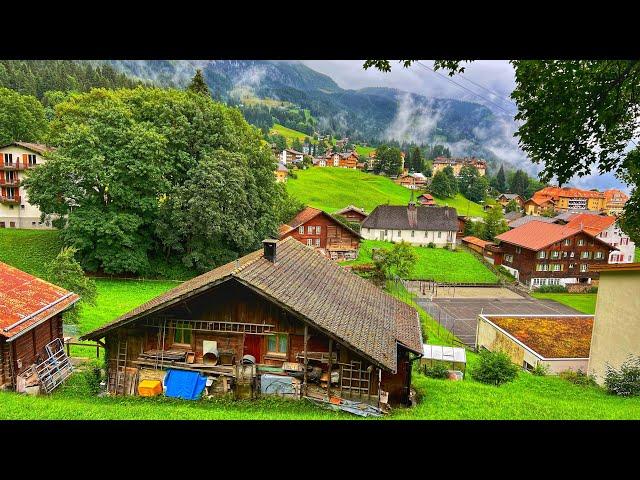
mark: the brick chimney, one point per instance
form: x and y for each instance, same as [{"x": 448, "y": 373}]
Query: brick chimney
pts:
[
  {"x": 412, "y": 212},
  {"x": 269, "y": 245}
]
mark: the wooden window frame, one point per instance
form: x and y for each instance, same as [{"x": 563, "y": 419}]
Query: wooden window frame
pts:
[
  {"x": 277, "y": 354},
  {"x": 180, "y": 326}
]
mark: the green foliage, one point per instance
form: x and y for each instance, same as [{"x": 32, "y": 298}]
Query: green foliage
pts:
[
  {"x": 467, "y": 177},
  {"x": 494, "y": 368},
  {"x": 540, "y": 370},
  {"x": 198, "y": 85},
  {"x": 389, "y": 160},
  {"x": 128, "y": 159},
  {"x": 578, "y": 377},
  {"x": 501, "y": 181},
  {"x": 22, "y": 117},
  {"x": 624, "y": 381},
  {"x": 519, "y": 183},
  {"x": 66, "y": 272},
  {"x": 494, "y": 223},
  {"x": 551, "y": 289},
  {"x": 442, "y": 186},
  {"x": 437, "y": 370},
  {"x": 512, "y": 206},
  {"x": 399, "y": 260}
]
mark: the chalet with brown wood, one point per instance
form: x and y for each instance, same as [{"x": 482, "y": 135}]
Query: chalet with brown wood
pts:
[
  {"x": 317, "y": 229},
  {"x": 30, "y": 320},
  {"x": 352, "y": 214},
  {"x": 287, "y": 310}
]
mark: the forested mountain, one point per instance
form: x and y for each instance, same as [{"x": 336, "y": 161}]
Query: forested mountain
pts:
[
  {"x": 298, "y": 97},
  {"x": 35, "y": 77}
]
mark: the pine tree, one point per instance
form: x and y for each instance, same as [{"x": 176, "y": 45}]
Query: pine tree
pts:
[
  {"x": 198, "y": 85},
  {"x": 501, "y": 182}
]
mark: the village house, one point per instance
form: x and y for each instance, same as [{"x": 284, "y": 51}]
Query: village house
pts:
[
  {"x": 504, "y": 199},
  {"x": 606, "y": 228},
  {"x": 282, "y": 172},
  {"x": 489, "y": 250},
  {"x": 319, "y": 162},
  {"x": 440, "y": 163},
  {"x": 30, "y": 319},
  {"x": 569, "y": 199},
  {"x": 283, "y": 316},
  {"x": 343, "y": 160},
  {"x": 316, "y": 228},
  {"x": 616, "y": 330},
  {"x": 615, "y": 201},
  {"x": 540, "y": 253},
  {"x": 15, "y": 210},
  {"x": 539, "y": 205},
  {"x": 291, "y": 157},
  {"x": 426, "y": 200},
  {"x": 352, "y": 214},
  {"x": 412, "y": 224},
  {"x": 371, "y": 161},
  {"x": 406, "y": 181},
  {"x": 557, "y": 342}
]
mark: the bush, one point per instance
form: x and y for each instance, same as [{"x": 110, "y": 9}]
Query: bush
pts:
[
  {"x": 592, "y": 290},
  {"x": 494, "y": 368},
  {"x": 540, "y": 370},
  {"x": 625, "y": 381},
  {"x": 431, "y": 245},
  {"x": 437, "y": 370},
  {"x": 551, "y": 289},
  {"x": 505, "y": 272},
  {"x": 578, "y": 377}
]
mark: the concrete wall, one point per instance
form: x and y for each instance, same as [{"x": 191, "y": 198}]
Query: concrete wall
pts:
[
  {"x": 616, "y": 327},
  {"x": 420, "y": 237}
]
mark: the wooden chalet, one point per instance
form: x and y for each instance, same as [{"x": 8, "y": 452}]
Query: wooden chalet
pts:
[
  {"x": 426, "y": 200},
  {"x": 286, "y": 309},
  {"x": 30, "y": 319},
  {"x": 504, "y": 199},
  {"x": 352, "y": 213},
  {"x": 319, "y": 230}
]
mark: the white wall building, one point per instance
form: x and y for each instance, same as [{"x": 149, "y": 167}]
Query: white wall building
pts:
[
  {"x": 15, "y": 209},
  {"x": 412, "y": 224},
  {"x": 606, "y": 228}
]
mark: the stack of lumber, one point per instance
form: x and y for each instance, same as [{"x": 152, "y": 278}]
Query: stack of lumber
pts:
[{"x": 174, "y": 355}]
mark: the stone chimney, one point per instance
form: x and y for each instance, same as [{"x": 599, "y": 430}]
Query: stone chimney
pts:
[{"x": 269, "y": 245}]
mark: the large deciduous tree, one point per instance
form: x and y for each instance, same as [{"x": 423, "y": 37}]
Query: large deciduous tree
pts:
[
  {"x": 22, "y": 117},
  {"x": 128, "y": 175}
]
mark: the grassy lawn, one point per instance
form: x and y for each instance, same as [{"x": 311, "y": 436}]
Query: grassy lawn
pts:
[
  {"x": 462, "y": 205},
  {"x": 436, "y": 264},
  {"x": 289, "y": 133},
  {"x": 364, "y": 151},
  {"x": 29, "y": 250},
  {"x": 583, "y": 302}
]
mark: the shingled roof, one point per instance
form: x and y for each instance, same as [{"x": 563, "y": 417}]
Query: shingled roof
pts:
[
  {"x": 26, "y": 301},
  {"x": 396, "y": 217},
  {"x": 34, "y": 147},
  {"x": 341, "y": 304}
]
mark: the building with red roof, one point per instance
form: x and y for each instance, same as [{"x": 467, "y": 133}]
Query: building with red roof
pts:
[
  {"x": 540, "y": 253},
  {"x": 606, "y": 228},
  {"x": 30, "y": 317}
]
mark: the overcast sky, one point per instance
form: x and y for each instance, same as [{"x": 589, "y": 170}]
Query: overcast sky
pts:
[{"x": 493, "y": 80}]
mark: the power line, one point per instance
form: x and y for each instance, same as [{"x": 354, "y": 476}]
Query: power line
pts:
[{"x": 464, "y": 88}]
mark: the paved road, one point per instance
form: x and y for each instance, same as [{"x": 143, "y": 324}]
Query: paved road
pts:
[{"x": 460, "y": 315}]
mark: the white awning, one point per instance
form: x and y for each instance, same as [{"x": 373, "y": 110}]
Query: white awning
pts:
[{"x": 446, "y": 354}]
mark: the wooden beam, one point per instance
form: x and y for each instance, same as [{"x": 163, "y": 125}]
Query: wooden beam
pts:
[
  {"x": 330, "y": 359},
  {"x": 306, "y": 359}
]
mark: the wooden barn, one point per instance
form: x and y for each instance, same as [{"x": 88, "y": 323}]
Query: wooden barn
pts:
[
  {"x": 30, "y": 319},
  {"x": 352, "y": 213},
  {"x": 290, "y": 313}
]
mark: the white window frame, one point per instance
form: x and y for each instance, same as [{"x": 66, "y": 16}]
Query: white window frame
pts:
[
  {"x": 584, "y": 267},
  {"x": 310, "y": 229},
  {"x": 309, "y": 242},
  {"x": 317, "y": 242},
  {"x": 301, "y": 229},
  {"x": 318, "y": 229}
]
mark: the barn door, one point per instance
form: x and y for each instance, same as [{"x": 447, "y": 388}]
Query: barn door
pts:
[{"x": 252, "y": 344}]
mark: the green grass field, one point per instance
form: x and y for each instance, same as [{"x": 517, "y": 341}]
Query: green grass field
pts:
[
  {"x": 462, "y": 205},
  {"x": 29, "y": 250},
  {"x": 583, "y": 302},
  {"x": 364, "y": 151},
  {"x": 289, "y": 134},
  {"x": 436, "y": 264}
]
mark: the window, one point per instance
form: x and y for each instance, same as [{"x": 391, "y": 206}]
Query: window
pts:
[
  {"x": 8, "y": 158},
  {"x": 182, "y": 333},
  {"x": 581, "y": 242},
  {"x": 10, "y": 193},
  {"x": 277, "y": 344},
  {"x": 539, "y": 267},
  {"x": 599, "y": 255},
  {"x": 556, "y": 267},
  {"x": 624, "y": 241},
  {"x": 571, "y": 255},
  {"x": 310, "y": 229},
  {"x": 301, "y": 229},
  {"x": 309, "y": 242},
  {"x": 564, "y": 254},
  {"x": 584, "y": 255},
  {"x": 567, "y": 241},
  {"x": 318, "y": 230},
  {"x": 32, "y": 159},
  {"x": 584, "y": 267},
  {"x": 508, "y": 258},
  {"x": 541, "y": 254},
  {"x": 317, "y": 242},
  {"x": 555, "y": 254},
  {"x": 439, "y": 234},
  {"x": 413, "y": 233},
  {"x": 571, "y": 265},
  {"x": 518, "y": 250}
]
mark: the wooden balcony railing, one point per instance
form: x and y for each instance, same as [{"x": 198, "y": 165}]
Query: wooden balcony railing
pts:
[
  {"x": 13, "y": 166},
  {"x": 9, "y": 183},
  {"x": 15, "y": 200}
]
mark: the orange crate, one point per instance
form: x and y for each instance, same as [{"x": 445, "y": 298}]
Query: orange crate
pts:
[{"x": 150, "y": 388}]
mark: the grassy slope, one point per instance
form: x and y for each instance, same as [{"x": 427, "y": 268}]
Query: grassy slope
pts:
[
  {"x": 462, "y": 205},
  {"x": 584, "y": 302},
  {"x": 436, "y": 264},
  {"x": 289, "y": 133},
  {"x": 29, "y": 250}
]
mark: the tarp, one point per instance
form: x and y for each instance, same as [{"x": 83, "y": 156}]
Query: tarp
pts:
[{"x": 184, "y": 384}]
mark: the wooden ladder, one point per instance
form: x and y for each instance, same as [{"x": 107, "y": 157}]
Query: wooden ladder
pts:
[{"x": 120, "y": 378}]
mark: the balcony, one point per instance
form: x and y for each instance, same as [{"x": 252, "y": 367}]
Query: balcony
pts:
[
  {"x": 14, "y": 182},
  {"x": 13, "y": 166},
  {"x": 15, "y": 200}
]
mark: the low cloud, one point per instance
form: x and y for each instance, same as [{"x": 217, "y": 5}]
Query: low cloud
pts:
[{"x": 414, "y": 122}]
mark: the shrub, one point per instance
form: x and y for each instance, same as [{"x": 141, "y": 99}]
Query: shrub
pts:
[
  {"x": 551, "y": 289},
  {"x": 437, "y": 370},
  {"x": 625, "y": 381},
  {"x": 431, "y": 245},
  {"x": 494, "y": 368},
  {"x": 578, "y": 377},
  {"x": 540, "y": 370},
  {"x": 592, "y": 290},
  {"x": 505, "y": 272}
]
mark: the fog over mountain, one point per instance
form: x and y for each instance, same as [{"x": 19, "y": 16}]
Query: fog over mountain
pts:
[{"x": 470, "y": 113}]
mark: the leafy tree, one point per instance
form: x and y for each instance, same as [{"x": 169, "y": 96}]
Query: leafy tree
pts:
[
  {"x": 389, "y": 160},
  {"x": 127, "y": 158},
  {"x": 512, "y": 206},
  {"x": 198, "y": 85},
  {"x": 477, "y": 191},
  {"x": 399, "y": 260},
  {"x": 22, "y": 117},
  {"x": 501, "y": 181},
  {"x": 441, "y": 185},
  {"x": 520, "y": 183},
  {"x": 66, "y": 272},
  {"x": 468, "y": 176},
  {"x": 453, "y": 181},
  {"x": 417, "y": 161},
  {"x": 296, "y": 145},
  {"x": 280, "y": 141},
  {"x": 494, "y": 223},
  {"x": 494, "y": 368}
]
